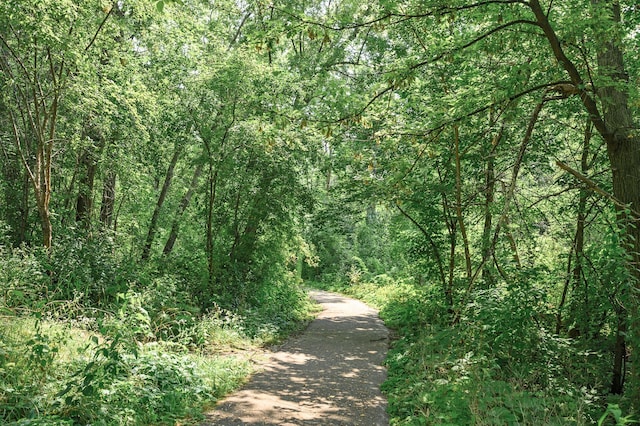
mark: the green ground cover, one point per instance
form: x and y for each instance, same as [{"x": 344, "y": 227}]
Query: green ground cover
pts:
[{"x": 493, "y": 368}]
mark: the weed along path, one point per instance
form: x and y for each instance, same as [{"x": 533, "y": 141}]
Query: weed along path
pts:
[{"x": 329, "y": 375}]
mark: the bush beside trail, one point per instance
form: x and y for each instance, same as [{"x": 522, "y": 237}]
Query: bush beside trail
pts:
[
  {"x": 483, "y": 370},
  {"x": 146, "y": 355}
]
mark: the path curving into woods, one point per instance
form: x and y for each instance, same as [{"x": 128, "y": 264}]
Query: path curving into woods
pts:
[{"x": 329, "y": 375}]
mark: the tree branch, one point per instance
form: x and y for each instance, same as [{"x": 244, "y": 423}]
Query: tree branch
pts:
[
  {"x": 570, "y": 68},
  {"x": 104, "y": 21},
  {"x": 594, "y": 187},
  {"x": 474, "y": 41},
  {"x": 432, "y": 243},
  {"x": 443, "y": 10}
]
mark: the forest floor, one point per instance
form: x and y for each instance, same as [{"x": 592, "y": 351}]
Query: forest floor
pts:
[{"x": 328, "y": 375}]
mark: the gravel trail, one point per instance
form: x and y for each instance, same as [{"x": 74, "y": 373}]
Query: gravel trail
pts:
[{"x": 329, "y": 375}]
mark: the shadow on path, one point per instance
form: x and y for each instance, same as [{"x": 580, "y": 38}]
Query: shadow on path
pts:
[{"x": 330, "y": 375}]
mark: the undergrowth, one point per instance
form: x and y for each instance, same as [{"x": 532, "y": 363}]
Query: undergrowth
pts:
[
  {"x": 143, "y": 355},
  {"x": 55, "y": 373},
  {"x": 497, "y": 366}
]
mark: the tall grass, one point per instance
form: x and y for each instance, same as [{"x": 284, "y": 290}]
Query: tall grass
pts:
[
  {"x": 53, "y": 373},
  {"x": 117, "y": 370}
]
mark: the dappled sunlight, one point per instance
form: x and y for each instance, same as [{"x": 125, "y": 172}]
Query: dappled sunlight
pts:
[{"x": 329, "y": 375}]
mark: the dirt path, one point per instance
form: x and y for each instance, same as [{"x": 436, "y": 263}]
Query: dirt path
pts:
[{"x": 330, "y": 375}]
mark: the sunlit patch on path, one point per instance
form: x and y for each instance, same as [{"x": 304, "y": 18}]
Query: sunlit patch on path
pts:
[{"x": 330, "y": 375}]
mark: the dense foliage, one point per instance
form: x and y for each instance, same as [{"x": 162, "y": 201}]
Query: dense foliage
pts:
[{"x": 171, "y": 171}]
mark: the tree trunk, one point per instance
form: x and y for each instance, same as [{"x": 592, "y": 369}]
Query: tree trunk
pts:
[
  {"x": 108, "y": 199},
  {"x": 184, "y": 203},
  {"x": 209, "y": 246},
  {"x": 453, "y": 232},
  {"x": 489, "y": 197},
  {"x": 512, "y": 241},
  {"x": 33, "y": 124},
  {"x": 42, "y": 185},
  {"x": 89, "y": 164},
  {"x": 503, "y": 221},
  {"x": 39, "y": 172},
  {"x": 461, "y": 225},
  {"x": 328, "y": 177},
  {"x": 153, "y": 225},
  {"x": 580, "y": 228},
  {"x": 623, "y": 149},
  {"x": 84, "y": 200},
  {"x": 24, "y": 223},
  {"x": 577, "y": 251}
]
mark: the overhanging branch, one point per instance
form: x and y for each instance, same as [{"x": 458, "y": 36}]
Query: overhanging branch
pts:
[{"x": 591, "y": 185}]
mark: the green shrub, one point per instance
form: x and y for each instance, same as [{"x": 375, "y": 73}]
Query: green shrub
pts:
[
  {"x": 497, "y": 366},
  {"x": 117, "y": 387},
  {"x": 24, "y": 283}
]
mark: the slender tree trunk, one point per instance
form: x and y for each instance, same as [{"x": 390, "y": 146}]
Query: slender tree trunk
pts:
[
  {"x": 328, "y": 177},
  {"x": 565, "y": 292},
  {"x": 489, "y": 197},
  {"x": 24, "y": 223},
  {"x": 451, "y": 222},
  {"x": 215, "y": 160},
  {"x": 580, "y": 228},
  {"x": 512, "y": 241},
  {"x": 84, "y": 200},
  {"x": 184, "y": 203},
  {"x": 108, "y": 199},
  {"x": 40, "y": 172},
  {"x": 213, "y": 185},
  {"x": 42, "y": 188},
  {"x": 237, "y": 235},
  {"x": 504, "y": 217},
  {"x": 153, "y": 225},
  {"x": 89, "y": 164},
  {"x": 35, "y": 119},
  {"x": 36, "y": 83},
  {"x": 461, "y": 225},
  {"x": 577, "y": 250}
]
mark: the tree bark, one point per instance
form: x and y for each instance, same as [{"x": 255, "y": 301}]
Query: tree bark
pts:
[
  {"x": 580, "y": 229},
  {"x": 184, "y": 203},
  {"x": 37, "y": 79},
  {"x": 504, "y": 217},
  {"x": 39, "y": 172},
  {"x": 108, "y": 199},
  {"x": 461, "y": 225},
  {"x": 209, "y": 246},
  {"x": 577, "y": 250},
  {"x": 88, "y": 162},
  {"x": 153, "y": 225},
  {"x": 453, "y": 232},
  {"x": 489, "y": 198},
  {"x": 623, "y": 149}
]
